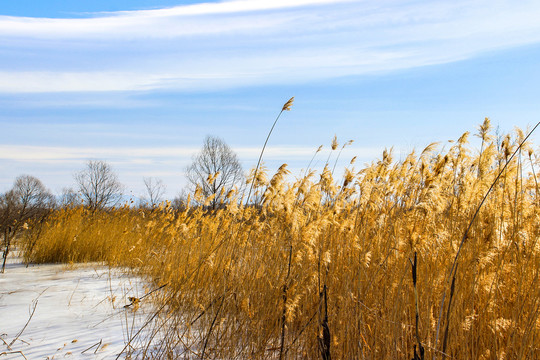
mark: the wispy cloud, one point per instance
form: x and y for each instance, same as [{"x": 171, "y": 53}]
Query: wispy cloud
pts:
[
  {"x": 58, "y": 153},
  {"x": 145, "y": 155},
  {"x": 242, "y": 43},
  {"x": 184, "y": 20}
]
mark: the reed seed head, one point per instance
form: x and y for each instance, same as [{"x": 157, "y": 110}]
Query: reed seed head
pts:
[{"x": 288, "y": 104}]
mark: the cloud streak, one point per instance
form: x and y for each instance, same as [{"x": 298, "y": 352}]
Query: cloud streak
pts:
[
  {"x": 184, "y": 20},
  {"x": 61, "y": 153},
  {"x": 243, "y": 43},
  {"x": 167, "y": 159}
]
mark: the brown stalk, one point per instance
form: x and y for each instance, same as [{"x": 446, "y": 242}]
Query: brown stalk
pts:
[
  {"x": 324, "y": 338},
  {"x": 286, "y": 107},
  {"x": 96, "y": 345},
  {"x": 207, "y": 337},
  {"x": 13, "y": 352},
  {"x": 284, "y": 311},
  {"x": 34, "y": 306},
  {"x": 417, "y": 317}
]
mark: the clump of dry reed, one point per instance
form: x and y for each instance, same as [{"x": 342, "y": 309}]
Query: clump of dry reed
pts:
[{"x": 324, "y": 263}]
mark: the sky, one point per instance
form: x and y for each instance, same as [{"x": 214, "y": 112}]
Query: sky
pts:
[{"x": 140, "y": 83}]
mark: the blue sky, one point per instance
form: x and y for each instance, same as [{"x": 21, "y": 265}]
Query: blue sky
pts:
[{"x": 140, "y": 83}]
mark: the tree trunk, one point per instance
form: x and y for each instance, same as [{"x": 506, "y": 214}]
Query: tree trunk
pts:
[{"x": 7, "y": 241}]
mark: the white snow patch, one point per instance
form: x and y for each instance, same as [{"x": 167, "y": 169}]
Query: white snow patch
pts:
[{"x": 74, "y": 310}]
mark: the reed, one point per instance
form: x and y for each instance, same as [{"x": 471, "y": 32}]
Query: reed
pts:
[{"x": 321, "y": 267}]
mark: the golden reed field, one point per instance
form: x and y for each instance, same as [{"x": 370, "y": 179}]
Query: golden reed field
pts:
[{"x": 401, "y": 259}]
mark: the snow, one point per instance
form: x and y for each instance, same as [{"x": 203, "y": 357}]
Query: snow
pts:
[{"x": 76, "y": 309}]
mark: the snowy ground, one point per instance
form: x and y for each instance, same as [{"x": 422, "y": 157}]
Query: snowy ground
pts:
[{"x": 75, "y": 309}]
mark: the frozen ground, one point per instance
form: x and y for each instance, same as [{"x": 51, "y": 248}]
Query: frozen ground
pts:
[{"x": 75, "y": 309}]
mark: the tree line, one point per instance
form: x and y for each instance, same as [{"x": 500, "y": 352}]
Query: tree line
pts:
[{"x": 213, "y": 173}]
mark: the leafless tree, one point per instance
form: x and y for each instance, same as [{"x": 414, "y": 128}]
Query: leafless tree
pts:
[
  {"x": 215, "y": 170},
  {"x": 155, "y": 189},
  {"x": 98, "y": 185},
  {"x": 69, "y": 198},
  {"x": 180, "y": 201},
  {"x": 28, "y": 199}
]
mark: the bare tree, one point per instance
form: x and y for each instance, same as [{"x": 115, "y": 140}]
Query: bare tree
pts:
[
  {"x": 9, "y": 206},
  {"x": 28, "y": 199},
  {"x": 155, "y": 189},
  {"x": 215, "y": 170},
  {"x": 98, "y": 185},
  {"x": 180, "y": 201},
  {"x": 69, "y": 198}
]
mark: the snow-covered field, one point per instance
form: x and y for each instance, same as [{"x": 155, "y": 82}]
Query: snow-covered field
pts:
[{"x": 79, "y": 313}]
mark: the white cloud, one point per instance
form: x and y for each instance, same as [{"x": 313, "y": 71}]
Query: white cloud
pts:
[
  {"x": 174, "y": 21},
  {"x": 236, "y": 6},
  {"x": 57, "y": 153},
  {"x": 145, "y": 155},
  {"x": 256, "y": 42}
]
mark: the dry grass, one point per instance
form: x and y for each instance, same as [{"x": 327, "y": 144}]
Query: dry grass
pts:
[{"x": 258, "y": 282}]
